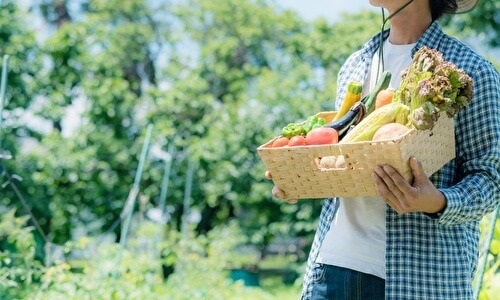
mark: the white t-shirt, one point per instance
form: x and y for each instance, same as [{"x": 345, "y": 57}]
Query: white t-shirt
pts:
[{"x": 356, "y": 239}]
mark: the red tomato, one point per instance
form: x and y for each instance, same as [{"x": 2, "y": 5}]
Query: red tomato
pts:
[
  {"x": 280, "y": 142},
  {"x": 322, "y": 135},
  {"x": 297, "y": 140}
]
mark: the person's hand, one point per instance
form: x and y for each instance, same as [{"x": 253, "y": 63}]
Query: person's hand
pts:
[
  {"x": 421, "y": 196},
  {"x": 277, "y": 192}
]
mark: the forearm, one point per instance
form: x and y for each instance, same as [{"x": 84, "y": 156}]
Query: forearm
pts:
[{"x": 473, "y": 197}]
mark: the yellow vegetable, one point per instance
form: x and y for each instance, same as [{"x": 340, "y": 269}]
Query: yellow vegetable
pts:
[
  {"x": 394, "y": 112},
  {"x": 352, "y": 96}
]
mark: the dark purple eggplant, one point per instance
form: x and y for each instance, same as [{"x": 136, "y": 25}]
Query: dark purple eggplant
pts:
[{"x": 351, "y": 118}]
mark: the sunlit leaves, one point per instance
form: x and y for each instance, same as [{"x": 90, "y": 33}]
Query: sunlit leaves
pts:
[
  {"x": 483, "y": 23},
  {"x": 224, "y": 82}
]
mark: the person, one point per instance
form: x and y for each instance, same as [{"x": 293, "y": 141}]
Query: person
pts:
[{"x": 418, "y": 240}]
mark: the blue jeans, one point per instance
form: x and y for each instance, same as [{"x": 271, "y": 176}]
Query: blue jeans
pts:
[{"x": 337, "y": 283}]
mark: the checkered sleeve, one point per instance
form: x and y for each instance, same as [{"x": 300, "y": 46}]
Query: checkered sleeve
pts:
[{"x": 478, "y": 150}]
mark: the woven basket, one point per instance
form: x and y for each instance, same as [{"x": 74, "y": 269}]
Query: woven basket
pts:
[{"x": 296, "y": 171}]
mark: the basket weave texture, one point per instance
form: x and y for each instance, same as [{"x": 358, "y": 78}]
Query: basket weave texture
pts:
[{"x": 296, "y": 171}]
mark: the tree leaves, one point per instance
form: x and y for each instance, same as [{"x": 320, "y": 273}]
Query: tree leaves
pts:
[{"x": 216, "y": 81}]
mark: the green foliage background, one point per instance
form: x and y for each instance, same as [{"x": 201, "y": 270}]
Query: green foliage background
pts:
[{"x": 216, "y": 81}]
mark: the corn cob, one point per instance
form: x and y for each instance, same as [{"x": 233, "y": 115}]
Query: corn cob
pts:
[
  {"x": 352, "y": 96},
  {"x": 364, "y": 131}
]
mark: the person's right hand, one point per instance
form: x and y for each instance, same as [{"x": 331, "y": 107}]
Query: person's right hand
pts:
[{"x": 277, "y": 192}]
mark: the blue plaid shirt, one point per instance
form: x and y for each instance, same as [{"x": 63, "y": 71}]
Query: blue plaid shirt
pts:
[{"x": 435, "y": 257}]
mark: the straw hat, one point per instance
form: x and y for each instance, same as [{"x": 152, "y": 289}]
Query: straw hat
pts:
[{"x": 464, "y": 6}]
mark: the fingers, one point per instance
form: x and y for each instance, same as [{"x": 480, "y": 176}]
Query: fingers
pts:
[
  {"x": 416, "y": 167},
  {"x": 390, "y": 181},
  {"x": 404, "y": 197},
  {"x": 280, "y": 194},
  {"x": 391, "y": 187},
  {"x": 277, "y": 193},
  {"x": 384, "y": 191}
]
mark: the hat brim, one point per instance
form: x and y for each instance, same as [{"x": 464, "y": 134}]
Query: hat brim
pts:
[{"x": 465, "y": 6}]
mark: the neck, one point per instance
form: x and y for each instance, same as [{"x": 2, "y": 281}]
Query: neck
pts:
[{"x": 408, "y": 25}]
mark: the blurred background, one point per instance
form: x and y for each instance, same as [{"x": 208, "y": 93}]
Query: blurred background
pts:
[{"x": 128, "y": 141}]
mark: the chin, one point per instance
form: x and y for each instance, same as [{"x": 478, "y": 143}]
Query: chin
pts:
[{"x": 376, "y": 3}]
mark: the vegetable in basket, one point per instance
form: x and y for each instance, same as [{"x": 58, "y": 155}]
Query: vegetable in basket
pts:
[
  {"x": 353, "y": 95},
  {"x": 293, "y": 129},
  {"x": 382, "y": 83},
  {"x": 394, "y": 112},
  {"x": 351, "y": 118},
  {"x": 431, "y": 85},
  {"x": 313, "y": 122}
]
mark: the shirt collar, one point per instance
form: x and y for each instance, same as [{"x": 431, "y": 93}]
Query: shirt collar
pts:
[{"x": 431, "y": 38}]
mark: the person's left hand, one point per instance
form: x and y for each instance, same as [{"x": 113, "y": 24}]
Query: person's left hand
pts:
[
  {"x": 403, "y": 197},
  {"x": 277, "y": 192}
]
